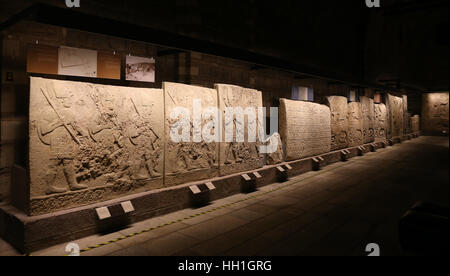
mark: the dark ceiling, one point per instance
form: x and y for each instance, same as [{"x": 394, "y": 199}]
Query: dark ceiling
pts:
[{"x": 403, "y": 43}]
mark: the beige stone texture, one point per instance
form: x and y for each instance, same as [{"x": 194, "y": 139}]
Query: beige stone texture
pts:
[
  {"x": 277, "y": 156},
  {"x": 90, "y": 143},
  {"x": 395, "y": 116},
  {"x": 339, "y": 122},
  {"x": 355, "y": 124},
  {"x": 435, "y": 116},
  {"x": 239, "y": 156},
  {"x": 305, "y": 129},
  {"x": 415, "y": 124},
  {"x": 368, "y": 115},
  {"x": 194, "y": 160},
  {"x": 380, "y": 122}
]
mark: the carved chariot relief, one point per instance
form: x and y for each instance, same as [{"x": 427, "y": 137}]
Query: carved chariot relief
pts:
[
  {"x": 91, "y": 143},
  {"x": 339, "y": 122}
]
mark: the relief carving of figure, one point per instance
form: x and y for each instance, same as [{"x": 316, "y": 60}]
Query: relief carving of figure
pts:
[
  {"x": 59, "y": 130},
  {"x": 147, "y": 148}
]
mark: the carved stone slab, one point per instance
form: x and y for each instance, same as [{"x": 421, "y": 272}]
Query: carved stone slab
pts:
[
  {"x": 368, "y": 114},
  {"x": 355, "y": 125},
  {"x": 415, "y": 123},
  {"x": 305, "y": 128},
  {"x": 435, "y": 116},
  {"x": 380, "y": 122},
  {"x": 395, "y": 116},
  {"x": 339, "y": 122},
  {"x": 407, "y": 124},
  {"x": 196, "y": 159},
  {"x": 277, "y": 156},
  {"x": 90, "y": 143},
  {"x": 239, "y": 156}
]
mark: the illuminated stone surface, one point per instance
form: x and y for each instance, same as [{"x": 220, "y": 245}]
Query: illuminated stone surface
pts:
[
  {"x": 305, "y": 128},
  {"x": 368, "y": 115},
  {"x": 355, "y": 125},
  {"x": 380, "y": 122},
  {"x": 415, "y": 123},
  {"x": 277, "y": 156},
  {"x": 339, "y": 122},
  {"x": 90, "y": 143},
  {"x": 435, "y": 114},
  {"x": 193, "y": 160},
  {"x": 395, "y": 116},
  {"x": 239, "y": 156}
]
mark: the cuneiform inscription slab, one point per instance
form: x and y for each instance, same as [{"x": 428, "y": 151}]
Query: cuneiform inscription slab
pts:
[
  {"x": 368, "y": 115},
  {"x": 339, "y": 122},
  {"x": 305, "y": 129},
  {"x": 197, "y": 159},
  {"x": 380, "y": 122},
  {"x": 435, "y": 116},
  {"x": 238, "y": 156},
  {"x": 91, "y": 143},
  {"x": 355, "y": 125}
]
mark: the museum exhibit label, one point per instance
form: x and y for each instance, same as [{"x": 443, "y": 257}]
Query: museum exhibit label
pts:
[
  {"x": 108, "y": 66},
  {"x": 42, "y": 59},
  {"x": 305, "y": 129},
  {"x": 339, "y": 122},
  {"x": 77, "y": 62},
  {"x": 91, "y": 143}
]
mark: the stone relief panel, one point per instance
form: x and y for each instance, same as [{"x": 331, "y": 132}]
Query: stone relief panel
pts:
[
  {"x": 380, "y": 122},
  {"x": 339, "y": 122},
  {"x": 305, "y": 129},
  {"x": 355, "y": 125},
  {"x": 407, "y": 128},
  {"x": 277, "y": 156},
  {"x": 395, "y": 115},
  {"x": 415, "y": 124},
  {"x": 192, "y": 160},
  {"x": 91, "y": 143},
  {"x": 407, "y": 124},
  {"x": 239, "y": 156},
  {"x": 368, "y": 113},
  {"x": 435, "y": 116}
]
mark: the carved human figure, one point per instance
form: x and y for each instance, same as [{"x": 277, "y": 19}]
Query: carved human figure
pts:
[
  {"x": 59, "y": 130},
  {"x": 147, "y": 150}
]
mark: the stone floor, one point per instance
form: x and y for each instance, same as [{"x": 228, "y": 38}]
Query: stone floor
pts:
[{"x": 336, "y": 211}]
